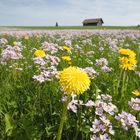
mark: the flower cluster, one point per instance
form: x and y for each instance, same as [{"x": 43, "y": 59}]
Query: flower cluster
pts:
[
  {"x": 113, "y": 43},
  {"x": 48, "y": 60},
  {"x": 3, "y": 41},
  {"x": 103, "y": 105},
  {"x": 128, "y": 120},
  {"x": 11, "y": 53},
  {"x": 128, "y": 59},
  {"x": 40, "y": 61},
  {"x": 101, "y": 126},
  {"x": 100, "y": 129},
  {"x": 46, "y": 75},
  {"x": 67, "y": 42},
  {"x": 47, "y": 66},
  {"x": 50, "y": 47},
  {"x": 91, "y": 72},
  {"x": 103, "y": 63},
  {"x": 52, "y": 60},
  {"x": 135, "y": 104},
  {"x": 73, "y": 104}
]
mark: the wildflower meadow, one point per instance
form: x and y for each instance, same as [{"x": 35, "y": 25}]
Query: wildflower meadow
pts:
[{"x": 70, "y": 85}]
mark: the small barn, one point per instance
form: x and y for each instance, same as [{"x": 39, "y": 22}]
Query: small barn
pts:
[{"x": 93, "y": 22}]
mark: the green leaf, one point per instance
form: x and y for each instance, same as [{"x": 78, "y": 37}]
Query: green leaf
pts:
[
  {"x": 8, "y": 124},
  {"x": 86, "y": 129}
]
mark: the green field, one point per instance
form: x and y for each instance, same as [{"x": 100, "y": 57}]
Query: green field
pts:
[
  {"x": 84, "y": 84},
  {"x": 74, "y": 27}
]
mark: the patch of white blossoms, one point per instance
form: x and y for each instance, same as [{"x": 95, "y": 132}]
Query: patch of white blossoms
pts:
[
  {"x": 11, "y": 53},
  {"x": 103, "y": 64},
  {"x": 102, "y": 128}
]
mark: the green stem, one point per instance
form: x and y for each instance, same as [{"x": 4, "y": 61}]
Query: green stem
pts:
[
  {"x": 75, "y": 138},
  {"x": 123, "y": 85},
  {"x": 118, "y": 84},
  {"x": 63, "y": 118},
  {"x": 78, "y": 124}
]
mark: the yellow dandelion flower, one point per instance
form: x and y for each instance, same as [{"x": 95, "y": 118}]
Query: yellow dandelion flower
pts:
[
  {"x": 127, "y": 52},
  {"x": 67, "y": 49},
  {"x": 70, "y": 63},
  {"x": 136, "y": 92},
  {"x": 66, "y": 58},
  {"x": 36, "y": 35},
  {"x": 74, "y": 80},
  {"x": 127, "y": 63},
  {"x": 14, "y": 42},
  {"x": 26, "y": 37},
  {"x": 39, "y": 53}
]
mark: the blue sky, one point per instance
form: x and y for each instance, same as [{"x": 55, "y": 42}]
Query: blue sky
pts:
[{"x": 68, "y": 12}]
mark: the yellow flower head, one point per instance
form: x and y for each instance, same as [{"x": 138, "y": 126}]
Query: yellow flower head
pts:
[
  {"x": 70, "y": 63},
  {"x": 66, "y": 58},
  {"x": 74, "y": 80},
  {"x": 26, "y": 37},
  {"x": 127, "y": 52},
  {"x": 14, "y": 42},
  {"x": 128, "y": 60},
  {"x": 39, "y": 53},
  {"x": 67, "y": 49},
  {"x": 37, "y": 35},
  {"x": 136, "y": 92},
  {"x": 127, "y": 63}
]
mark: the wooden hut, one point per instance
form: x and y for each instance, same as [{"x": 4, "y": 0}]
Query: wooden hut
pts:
[{"x": 93, "y": 22}]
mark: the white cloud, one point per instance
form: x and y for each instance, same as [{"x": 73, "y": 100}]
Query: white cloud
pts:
[{"x": 68, "y": 12}]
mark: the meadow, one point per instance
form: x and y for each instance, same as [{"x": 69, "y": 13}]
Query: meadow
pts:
[
  {"x": 70, "y": 85},
  {"x": 71, "y": 27}
]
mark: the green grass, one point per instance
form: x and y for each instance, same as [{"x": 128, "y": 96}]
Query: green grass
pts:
[
  {"x": 75, "y": 27},
  {"x": 30, "y": 110}
]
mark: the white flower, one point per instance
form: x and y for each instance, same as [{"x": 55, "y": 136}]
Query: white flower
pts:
[
  {"x": 39, "y": 78},
  {"x": 89, "y": 103}
]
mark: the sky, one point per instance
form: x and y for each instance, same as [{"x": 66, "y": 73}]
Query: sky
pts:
[{"x": 68, "y": 12}]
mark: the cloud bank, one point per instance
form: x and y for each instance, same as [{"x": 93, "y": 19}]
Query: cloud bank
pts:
[{"x": 68, "y": 12}]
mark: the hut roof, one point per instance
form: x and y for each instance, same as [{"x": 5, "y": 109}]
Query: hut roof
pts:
[{"x": 95, "y": 20}]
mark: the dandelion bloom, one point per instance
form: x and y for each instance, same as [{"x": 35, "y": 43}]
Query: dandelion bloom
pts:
[
  {"x": 128, "y": 60},
  {"x": 136, "y": 92},
  {"x": 67, "y": 49},
  {"x": 66, "y": 58},
  {"x": 26, "y": 37},
  {"x": 127, "y": 52},
  {"x": 14, "y": 42},
  {"x": 39, "y": 53},
  {"x": 127, "y": 63},
  {"x": 70, "y": 63},
  {"x": 74, "y": 80}
]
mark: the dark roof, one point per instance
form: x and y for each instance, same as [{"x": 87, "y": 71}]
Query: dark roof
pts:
[{"x": 95, "y": 20}]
